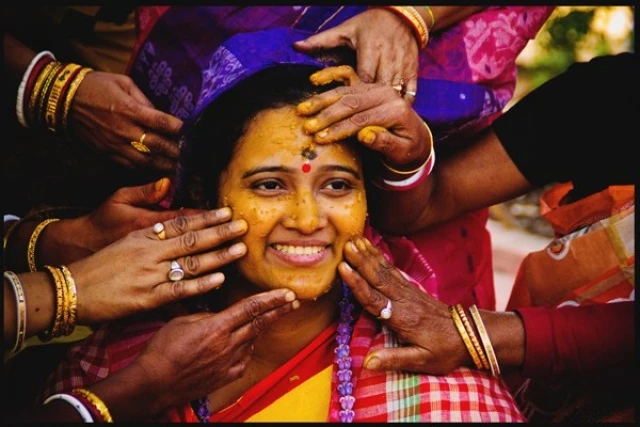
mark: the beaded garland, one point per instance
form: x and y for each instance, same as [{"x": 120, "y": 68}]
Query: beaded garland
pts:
[{"x": 342, "y": 360}]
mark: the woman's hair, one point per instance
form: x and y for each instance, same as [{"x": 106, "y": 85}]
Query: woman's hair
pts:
[{"x": 212, "y": 138}]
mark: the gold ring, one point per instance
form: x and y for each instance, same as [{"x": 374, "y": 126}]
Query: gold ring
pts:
[{"x": 140, "y": 147}]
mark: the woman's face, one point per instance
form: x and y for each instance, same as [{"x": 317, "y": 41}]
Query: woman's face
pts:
[{"x": 300, "y": 217}]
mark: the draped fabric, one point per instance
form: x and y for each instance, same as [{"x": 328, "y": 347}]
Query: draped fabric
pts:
[{"x": 464, "y": 395}]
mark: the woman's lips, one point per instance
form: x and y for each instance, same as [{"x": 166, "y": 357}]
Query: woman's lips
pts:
[{"x": 299, "y": 255}]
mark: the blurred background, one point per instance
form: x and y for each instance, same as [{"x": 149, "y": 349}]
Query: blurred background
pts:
[{"x": 571, "y": 34}]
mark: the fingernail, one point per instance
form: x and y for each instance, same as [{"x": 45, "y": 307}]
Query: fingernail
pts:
[
  {"x": 347, "y": 266},
  {"x": 360, "y": 244},
  {"x": 289, "y": 296},
  {"x": 311, "y": 124},
  {"x": 160, "y": 183},
  {"x": 372, "y": 363},
  {"x": 239, "y": 225},
  {"x": 353, "y": 247},
  {"x": 224, "y": 213},
  {"x": 322, "y": 134},
  {"x": 217, "y": 278},
  {"x": 304, "y": 106},
  {"x": 237, "y": 249},
  {"x": 295, "y": 304}
]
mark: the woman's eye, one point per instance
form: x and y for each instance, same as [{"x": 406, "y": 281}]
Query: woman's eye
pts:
[
  {"x": 338, "y": 185},
  {"x": 269, "y": 185}
]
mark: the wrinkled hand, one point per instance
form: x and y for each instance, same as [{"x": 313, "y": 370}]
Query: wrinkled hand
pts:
[
  {"x": 131, "y": 275},
  {"x": 109, "y": 111},
  {"x": 386, "y": 48},
  {"x": 381, "y": 119},
  {"x": 193, "y": 355},
  {"x": 128, "y": 209},
  {"x": 431, "y": 343}
]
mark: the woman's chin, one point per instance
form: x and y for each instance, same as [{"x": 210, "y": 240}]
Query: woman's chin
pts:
[{"x": 309, "y": 290}]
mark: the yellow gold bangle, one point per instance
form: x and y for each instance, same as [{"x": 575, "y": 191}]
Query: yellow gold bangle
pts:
[
  {"x": 96, "y": 402},
  {"x": 37, "y": 87},
  {"x": 431, "y": 16},
  {"x": 473, "y": 337},
  {"x": 53, "y": 100},
  {"x": 31, "y": 249},
  {"x": 21, "y": 310},
  {"x": 465, "y": 337},
  {"x": 73, "y": 88},
  {"x": 58, "y": 279},
  {"x": 486, "y": 341},
  {"x": 44, "y": 93},
  {"x": 411, "y": 16},
  {"x": 72, "y": 301}
]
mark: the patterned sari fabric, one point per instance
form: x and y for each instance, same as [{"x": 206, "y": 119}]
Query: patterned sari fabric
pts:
[
  {"x": 466, "y": 76},
  {"x": 591, "y": 261},
  {"x": 464, "y": 395}
]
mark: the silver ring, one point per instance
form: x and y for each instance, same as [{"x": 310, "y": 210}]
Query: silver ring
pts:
[
  {"x": 176, "y": 273},
  {"x": 385, "y": 313},
  {"x": 410, "y": 92},
  {"x": 158, "y": 228}
]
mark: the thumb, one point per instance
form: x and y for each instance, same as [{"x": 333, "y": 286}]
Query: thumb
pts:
[
  {"x": 338, "y": 36},
  {"x": 396, "y": 359},
  {"x": 144, "y": 195}
]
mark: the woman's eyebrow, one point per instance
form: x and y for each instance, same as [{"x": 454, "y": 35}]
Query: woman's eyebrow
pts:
[
  {"x": 341, "y": 168},
  {"x": 266, "y": 169}
]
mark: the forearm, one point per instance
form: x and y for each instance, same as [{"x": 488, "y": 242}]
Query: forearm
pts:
[
  {"x": 40, "y": 305},
  {"x": 17, "y": 57},
  {"x": 576, "y": 340}
]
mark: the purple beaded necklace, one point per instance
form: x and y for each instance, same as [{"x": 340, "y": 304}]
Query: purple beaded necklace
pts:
[{"x": 342, "y": 360}]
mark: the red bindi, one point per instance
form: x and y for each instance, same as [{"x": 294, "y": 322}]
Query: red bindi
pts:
[{"x": 306, "y": 167}]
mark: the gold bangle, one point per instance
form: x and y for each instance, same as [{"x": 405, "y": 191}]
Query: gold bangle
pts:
[
  {"x": 431, "y": 16},
  {"x": 486, "y": 341},
  {"x": 73, "y": 88},
  {"x": 33, "y": 98},
  {"x": 97, "y": 403},
  {"x": 58, "y": 280},
  {"x": 473, "y": 337},
  {"x": 31, "y": 249},
  {"x": 53, "y": 100},
  {"x": 413, "y": 18},
  {"x": 465, "y": 337},
  {"x": 21, "y": 310},
  {"x": 72, "y": 301},
  {"x": 44, "y": 93}
]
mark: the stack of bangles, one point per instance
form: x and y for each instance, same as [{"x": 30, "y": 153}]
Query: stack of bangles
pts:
[
  {"x": 417, "y": 23},
  {"x": 413, "y": 177},
  {"x": 46, "y": 92},
  {"x": 89, "y": 406},
  {"x": 66, "y": 303},
  {"x": 480, "y": 350}
]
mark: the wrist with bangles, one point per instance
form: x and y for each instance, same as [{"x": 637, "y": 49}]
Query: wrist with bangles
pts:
[{"x": 408, "y": 179}]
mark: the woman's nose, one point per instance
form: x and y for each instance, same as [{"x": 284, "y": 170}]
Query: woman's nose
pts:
[{"x": 307, "y": 215}]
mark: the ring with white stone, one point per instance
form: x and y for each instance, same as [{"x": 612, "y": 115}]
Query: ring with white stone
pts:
[
  {"x": 385, "y": 313},
  {"x": 158, "y": 228},
  {"x": 176, "y": 273}
]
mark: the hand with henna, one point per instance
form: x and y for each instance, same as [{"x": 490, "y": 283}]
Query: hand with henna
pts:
[
  {"x": 109, "y": 111},
  {"x": 375, "y": 113},
  {"x": 430, "y": 341}
]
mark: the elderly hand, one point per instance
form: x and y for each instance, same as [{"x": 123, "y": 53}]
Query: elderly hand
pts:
[
  {"x": 431, "y": 343},
  {"x": 191, "y": 356},
  {"x": 131, "y": 275},
  {"x": 386, "y": 48},
  {"x": 109, "y": 111},
  {"x": 128, "y": 209},
  {"x": 381, "y": 119}
]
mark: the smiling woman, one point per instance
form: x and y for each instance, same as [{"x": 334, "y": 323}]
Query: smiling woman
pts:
[{"x": 304, "y": 204}]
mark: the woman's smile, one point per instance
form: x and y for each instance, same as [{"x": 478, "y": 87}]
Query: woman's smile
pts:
[{"x": 304, "y": 254}]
